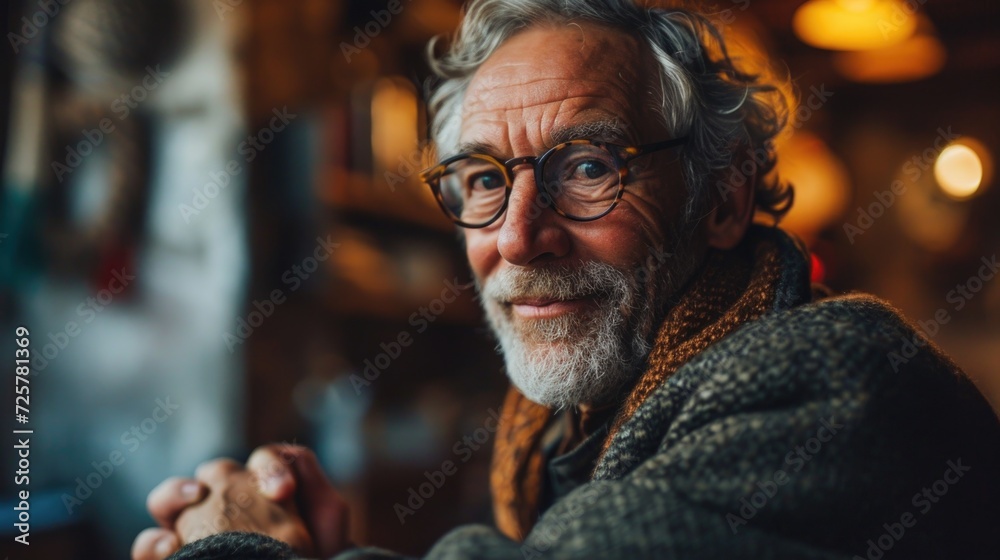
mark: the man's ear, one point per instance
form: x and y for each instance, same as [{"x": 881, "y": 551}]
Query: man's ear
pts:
[{"x": 731, "y": 215}]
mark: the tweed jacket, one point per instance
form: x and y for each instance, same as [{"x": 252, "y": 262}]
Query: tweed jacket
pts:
[{"x": 825, "y": 429}]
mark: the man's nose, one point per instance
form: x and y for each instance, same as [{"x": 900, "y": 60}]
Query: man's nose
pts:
[{"x": 531, "y": 231}]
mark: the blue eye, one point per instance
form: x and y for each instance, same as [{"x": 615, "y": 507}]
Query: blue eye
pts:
[
  {"x": 487, "y": 181},
  {"x": 591, "y": 169}
]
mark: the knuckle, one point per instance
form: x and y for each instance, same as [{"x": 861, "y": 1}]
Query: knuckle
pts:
[
  {"x": 216, "y": 468},
  {"x": 273, "y": 459},
  {"x": 262, "y": 455},
  {"x": 262, "y": 449}
]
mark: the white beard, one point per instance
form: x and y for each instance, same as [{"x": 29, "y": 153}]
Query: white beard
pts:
[{"x": 576, "y": 358}]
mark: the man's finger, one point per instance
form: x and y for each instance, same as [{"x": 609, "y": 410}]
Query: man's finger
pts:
[
  {"x": 296, "y": 467},
  {"x": 155, "y": 544},
  {"x": 321, "y": 505},
  {"x": 271, "y": 469},
  {"x": 171, "y": 496},
  {"x": 216, "y": 471}
]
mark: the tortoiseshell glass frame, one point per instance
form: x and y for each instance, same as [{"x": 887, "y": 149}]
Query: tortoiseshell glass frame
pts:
[{"x": 622, "y": 156}]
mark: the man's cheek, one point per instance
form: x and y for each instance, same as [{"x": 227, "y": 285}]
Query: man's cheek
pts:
[
  {"x": 615, "y": 239},
  {"x": 481, "y": 250}
]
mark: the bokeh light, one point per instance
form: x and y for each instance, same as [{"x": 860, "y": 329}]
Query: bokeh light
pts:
[
  {"x": 959, "y": 171},
  {"x": 853, "y": 24}
]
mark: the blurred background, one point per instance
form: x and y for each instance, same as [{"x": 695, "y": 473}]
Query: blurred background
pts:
[{"x": 212, "y": 226}]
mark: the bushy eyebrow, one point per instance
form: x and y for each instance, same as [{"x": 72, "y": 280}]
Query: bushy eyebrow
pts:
[
  {"x": 612, "y": 131},
  {"x": 604, "y": 130},
  {"x": 480, "y": 147}
]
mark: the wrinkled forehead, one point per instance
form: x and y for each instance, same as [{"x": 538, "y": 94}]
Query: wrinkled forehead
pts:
[
  {"x": 568, "y": 51},
  {"x": 568, "y": 67}
]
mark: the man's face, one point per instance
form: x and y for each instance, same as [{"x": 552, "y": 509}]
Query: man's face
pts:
[{"x": 571, "y": 302}]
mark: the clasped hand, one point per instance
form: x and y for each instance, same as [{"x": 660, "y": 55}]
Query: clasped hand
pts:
[{"x": 281, "y": 492}]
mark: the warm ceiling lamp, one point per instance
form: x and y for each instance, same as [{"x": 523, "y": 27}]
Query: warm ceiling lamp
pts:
[
  {"x": 960, "y": 170},
  {"x": 852, "y": 25}
]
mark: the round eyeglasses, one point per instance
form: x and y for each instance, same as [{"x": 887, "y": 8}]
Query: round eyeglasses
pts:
[{"x": 581, "y": 180}]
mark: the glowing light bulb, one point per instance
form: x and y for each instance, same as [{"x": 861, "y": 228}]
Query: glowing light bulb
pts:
[
  {"x": 852, "y": 25},
  {"x": 959, "y": 171},
  {"x": 856, "y": 5}
]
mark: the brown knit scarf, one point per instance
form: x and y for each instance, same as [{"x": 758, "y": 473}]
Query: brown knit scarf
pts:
[{"x": 730, "y": 289}]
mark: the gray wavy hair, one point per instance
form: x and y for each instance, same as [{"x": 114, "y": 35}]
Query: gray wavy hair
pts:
[{"x": 726, "y": 112}]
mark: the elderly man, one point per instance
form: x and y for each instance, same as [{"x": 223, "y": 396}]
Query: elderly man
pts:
[{"x": 678, "y": 391}]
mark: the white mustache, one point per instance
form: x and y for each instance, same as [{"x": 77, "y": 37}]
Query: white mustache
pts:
[{"x": 590, "y": 279}]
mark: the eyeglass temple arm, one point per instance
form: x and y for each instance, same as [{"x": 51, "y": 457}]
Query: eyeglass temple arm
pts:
[{"x": 657, "y": 146}]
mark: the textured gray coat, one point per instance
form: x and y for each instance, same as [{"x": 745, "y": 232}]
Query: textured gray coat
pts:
[{"x": 794, "y": 437}]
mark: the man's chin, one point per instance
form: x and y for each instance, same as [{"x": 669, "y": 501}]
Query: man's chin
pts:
[
  {"x": 553, "y": 375},
  {"x": 550, "y": 334},
  {"x": 555, "y": 393},
  {"x": 548, "y": 396}
]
